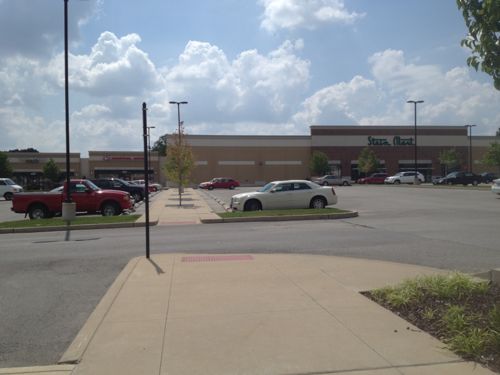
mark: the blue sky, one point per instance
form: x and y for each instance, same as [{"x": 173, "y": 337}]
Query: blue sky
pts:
[{"x": 246, "y": 67}]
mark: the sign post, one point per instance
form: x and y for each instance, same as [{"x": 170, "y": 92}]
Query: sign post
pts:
[{"x": 146, "y": 173}]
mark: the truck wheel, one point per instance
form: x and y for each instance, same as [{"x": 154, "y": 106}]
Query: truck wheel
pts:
[
  {"x": 8, "y": 196},
  {"x": 110, "y": 209},
  {"x": 474, "y": 183},
  {"x": 38, "y": 211},
  {"x": 345, "y": 183}
]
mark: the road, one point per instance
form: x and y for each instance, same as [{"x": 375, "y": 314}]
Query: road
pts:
[{"x": 49, "y": 286}]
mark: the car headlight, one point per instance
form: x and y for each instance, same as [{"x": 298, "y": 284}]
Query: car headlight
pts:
[{"x": 126, "y": 197}]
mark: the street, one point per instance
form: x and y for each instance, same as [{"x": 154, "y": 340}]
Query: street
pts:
[{"x": 49, "y": 286}]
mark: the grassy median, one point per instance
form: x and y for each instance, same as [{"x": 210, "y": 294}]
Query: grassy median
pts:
[
  {"x": 57, "y": 222},
  {"x": 290, "y": 212},
  {"x": 462, "y": 312}
]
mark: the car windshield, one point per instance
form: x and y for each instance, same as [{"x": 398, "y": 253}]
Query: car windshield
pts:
[
  {"x": 8, "y": 181},
  {"x": 266, "y": 187},
  {"x": 93, "y": 186}
]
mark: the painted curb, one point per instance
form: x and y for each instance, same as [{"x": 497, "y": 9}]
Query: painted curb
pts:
[
  {"x": 281, "y": 218},
  {"x": 77, "y": 227},
  {"x": 77, "y": 348}
]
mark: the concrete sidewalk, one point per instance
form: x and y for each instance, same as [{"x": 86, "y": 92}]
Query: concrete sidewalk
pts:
[
  {"x": 255, "y": 314},
  {"x": 165, "y": 210}
]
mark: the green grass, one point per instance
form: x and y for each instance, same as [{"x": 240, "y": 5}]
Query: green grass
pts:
[
  {"x": 291, "y": 212},
  {"x": 80, "y": 220},
  {"x": 447, "y": 305}
]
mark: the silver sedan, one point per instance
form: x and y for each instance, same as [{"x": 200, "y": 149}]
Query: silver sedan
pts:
[{"x": 285, "y": 194}]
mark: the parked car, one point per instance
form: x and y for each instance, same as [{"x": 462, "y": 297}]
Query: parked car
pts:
[
  {"x": 332, "y": 180},
  {"x": 153, "y": 186},
  {"x": 87, "y": 196},
  {"x": 404, "y": 178},
  {"x": 220, "y": 183},
  {"x": 495, "y": 188},
  {"x": 374, "y": 178},
  {"x": 463, "y": 178},
  {"x": 285, "y": 194},
  {"x": 488, "y": 177},
  {"x": 8, "y": 188},
  {"x": 136, "y": 191}
]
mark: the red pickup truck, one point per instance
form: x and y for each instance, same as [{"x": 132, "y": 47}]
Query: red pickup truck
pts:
[{"x": 87, "y": 196}]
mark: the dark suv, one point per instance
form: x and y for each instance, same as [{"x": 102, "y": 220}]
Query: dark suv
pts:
[
  {"x": 463, "y": 178},
  {"x": 136, "y": 191}
]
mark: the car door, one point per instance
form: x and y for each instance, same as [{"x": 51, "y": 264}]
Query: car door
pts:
[
  {"x": 301, "y": 195},
  {"x": 80, "y": 195},
  {"x": 280, "y": 196}
]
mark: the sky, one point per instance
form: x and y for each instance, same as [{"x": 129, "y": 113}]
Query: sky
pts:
[{"x": 245, "y": 67}]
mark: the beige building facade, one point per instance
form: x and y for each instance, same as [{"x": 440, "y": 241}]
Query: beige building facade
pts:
[{"x": 254, "y": 160}]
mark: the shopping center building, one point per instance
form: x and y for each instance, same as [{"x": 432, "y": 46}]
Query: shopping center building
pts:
[{"x": 253, "y": 160}]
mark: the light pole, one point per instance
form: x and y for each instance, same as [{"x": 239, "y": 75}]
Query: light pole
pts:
[
  {"x": 149, "y": 149},
  {"x": 470, "y": 146},
  {"x": 179, "y": 130},
  {"x": 415, "y": 102},
  {"x": 68, "y": 207},
  {"x": 179, "y": 116}
]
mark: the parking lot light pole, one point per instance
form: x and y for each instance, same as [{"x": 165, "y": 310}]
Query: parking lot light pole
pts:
[
  {"x": 470, "y": 145},
  {"x": 415, "y": 102}
]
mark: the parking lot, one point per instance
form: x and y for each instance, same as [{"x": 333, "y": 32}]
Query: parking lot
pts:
[{"x": 466, "y": 216}]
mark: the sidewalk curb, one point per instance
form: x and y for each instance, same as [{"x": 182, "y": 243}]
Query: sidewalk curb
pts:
[
  {"x": 51, "y": 369},
  {"x": 76, "y": 349},
  {"x": 78, "y": 227},
  {"x": 281, "y": 218}
]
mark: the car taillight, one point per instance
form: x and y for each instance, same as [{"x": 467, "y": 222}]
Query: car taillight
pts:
[{"x": 333, "y": 191}]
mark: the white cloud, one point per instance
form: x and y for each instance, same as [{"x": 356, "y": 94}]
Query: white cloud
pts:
[
  {"x": 451, "y": 98},
  {"x": 309, "y": 14},
  {"x": 251, "y": 87},
  {"x": 114, "y": 67}
]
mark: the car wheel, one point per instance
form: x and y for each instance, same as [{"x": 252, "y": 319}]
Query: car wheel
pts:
[
  {"x": 253, "y": 205},
  {"x": 345, "y": 183},
  {"x": 397, "y": 182},
  {"x": 318, "y": 202},
  {"x": 110, "y": 209},
  {"x": 38, "y": 211},
  {"x": 210, "y": 188},
  {"x": 449, "y": 183},
  {"x": 325, "y": 183},
  {"x": 474, "y": 183},
  {"x": 8, "y": 196},
  {"x": 137, "y": 197},
  {"x": 231, "y": 187}
]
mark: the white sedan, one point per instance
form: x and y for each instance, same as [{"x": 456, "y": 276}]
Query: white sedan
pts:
[
  {"x": 495, "y": 188},
  {"x": 285, "y": 194}
]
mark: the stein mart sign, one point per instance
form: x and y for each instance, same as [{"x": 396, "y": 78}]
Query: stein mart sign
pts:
[{"x": 395, "y": 141}]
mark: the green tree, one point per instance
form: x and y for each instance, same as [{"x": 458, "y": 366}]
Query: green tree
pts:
[
  {"x": 180, "y": 162},
  {"x": 161, "y": 145},
  {"x": 482, "y": 18},
  {"x": 451, "y": 159},
  {"x": 319, "y": 163},
  {"x": 5, "y": 167},
  {"x": 492, "y": 156},
  {"x": 367, "y": 161},
  {"x": 51, "y": 171}
]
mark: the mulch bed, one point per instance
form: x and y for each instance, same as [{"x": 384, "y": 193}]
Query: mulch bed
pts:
[{"x": 479, "y": 305}]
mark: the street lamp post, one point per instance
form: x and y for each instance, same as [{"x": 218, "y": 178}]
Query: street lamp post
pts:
[
  {"x": 179, "y": 130},
  {"x": 68, "y": 207},
  {"x": 470, "y": 145},
  {"x": 415, "y": 102},
  {"x": 149, "y": 149}
]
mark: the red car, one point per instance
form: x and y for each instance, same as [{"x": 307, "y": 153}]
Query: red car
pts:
[
  {"x": 220, "y": 183},
  {"x": 375, "y": 178}
]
